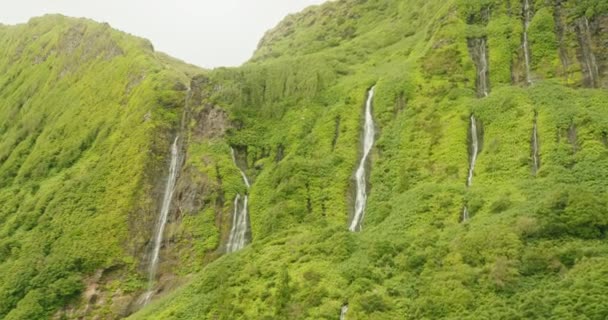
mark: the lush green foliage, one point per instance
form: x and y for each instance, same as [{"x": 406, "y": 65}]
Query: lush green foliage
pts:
[
  {"x": 83, "y": 115},
  {"x": 534, "y": 246}
]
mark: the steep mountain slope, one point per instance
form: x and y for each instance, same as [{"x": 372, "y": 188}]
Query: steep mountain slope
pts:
[
  {"x": 495, "y": 108},
  {"x": 533, "y": 241},
  {"x": 86, "y": 114}
]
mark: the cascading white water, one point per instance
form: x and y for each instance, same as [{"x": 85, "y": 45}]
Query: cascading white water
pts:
[
  {"x": 243, "y": 175},
  {"x": 368, "y": 142},
  {"x": 527, "y": 18},
  {"x": 474, "y": 150},
  {"x": 162, "y": 219},
  {"x": 343, "y": 312},
  {"x": 478, "y": 49},
  {"x": 473, "y": 159},
  {"x": 535, "y": 149},
  {"x": 483, "y": 70},
  {"x": 240, "y": 217}
]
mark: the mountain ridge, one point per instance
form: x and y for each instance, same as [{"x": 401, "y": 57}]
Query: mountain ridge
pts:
[{"x": 531, "y": 246}]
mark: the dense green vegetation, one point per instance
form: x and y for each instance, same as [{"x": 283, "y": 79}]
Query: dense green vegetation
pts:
[
  {"x": 534, "y": 248},
  {"x": 84, "y": 117},
  {"x": 534, "y": 241}
]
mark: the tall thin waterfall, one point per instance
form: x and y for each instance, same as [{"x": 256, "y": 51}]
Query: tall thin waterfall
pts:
[
  {"x": 162, "y": 219},
  {"x": 240, "y": 217},
  {"x": 368, "y": 141},
  {"x": 483, "y": 71},
  {"x": 526, "y": 45},
  {"x": 535, "y": 148},
  {"x": 474, "y": 150},
  {"x": 479, "y": 53},
  {"x": 343, "y": 312}
]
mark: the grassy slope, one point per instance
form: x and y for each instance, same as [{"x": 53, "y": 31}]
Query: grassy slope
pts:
[
  {"x": 535, "y": 246},
  {"x": 85, "y": 117}
]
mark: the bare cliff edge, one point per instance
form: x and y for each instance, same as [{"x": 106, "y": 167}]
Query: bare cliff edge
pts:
[{"x": 508, "y": 94}]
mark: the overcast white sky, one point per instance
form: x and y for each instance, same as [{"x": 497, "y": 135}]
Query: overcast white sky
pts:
[{"x": 208, "y": 33}]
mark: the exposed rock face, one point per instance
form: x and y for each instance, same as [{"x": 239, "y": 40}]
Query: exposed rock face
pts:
[
  {"x": 586, "y": 55},
  {"x": 600, "y": 44},
  {"x": 190, "y": 188},
  {"x": 584, "y": 40},
  {"x": 98, "y": 301},
  {"x": 91, "y": 293},
  {"x": 212, "y": 122},
  {"x": 72, "y": 39},
  {"x": 195, "y": 191},
  {"x": 84, "y": 42},
  {"x": 560, "y": 31}
]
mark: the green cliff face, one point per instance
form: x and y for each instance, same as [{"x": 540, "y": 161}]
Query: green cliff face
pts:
[
  {"x": 88, "y": 115},
  {"x": 85, "y": 113}
]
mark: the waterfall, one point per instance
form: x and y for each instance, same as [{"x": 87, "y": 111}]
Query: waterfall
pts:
[
  {"x": 240, "y": 216},
  {"x": 479, "y": 53},
  {"x": 162, "y": 219},
  {"x": 483, "y": 70},
  {"x": 535, "y": 149},
  {"x": 465, "y": 213},
  {"x": 243, "y": 175},
  {"x": 368, "y": 142},
  {"x": 474, "y": 150},
  {"x": 589, "y": 61},
  {"x": 343, "y": 312},
  {"x": 527, "y": 18}
]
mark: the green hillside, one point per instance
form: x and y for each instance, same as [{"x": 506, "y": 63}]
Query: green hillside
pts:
[
  {"x": 85, "y": 118},
  {"x": 88, "y": 116}
]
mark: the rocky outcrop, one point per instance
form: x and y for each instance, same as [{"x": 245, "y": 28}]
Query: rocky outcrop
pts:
[
  {"x": 583, "y": 39},
  {"x": 599, "y": 44},
  {"x": 99, "y": 300},
  {"x": 196, "y": 190},
  {"x": 560, "y": 32},
  {"x": 212, "y": 122}
]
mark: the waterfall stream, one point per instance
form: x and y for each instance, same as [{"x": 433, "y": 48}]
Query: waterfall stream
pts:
[
  {"x": 479, "y": 53},
  {"x": 162, "y": 219},
  {"x": 474, "y": 150},
  {"x": 240, "y": 217},
  {"x": 368, "y": 142},
  {"x": 526, "y": 45},
  {"x": 478, "y": 50},
  {"x": 535, "y": 148},
  {"x": 343, "y": 312},
  {"x": 483, "y": 69}
]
